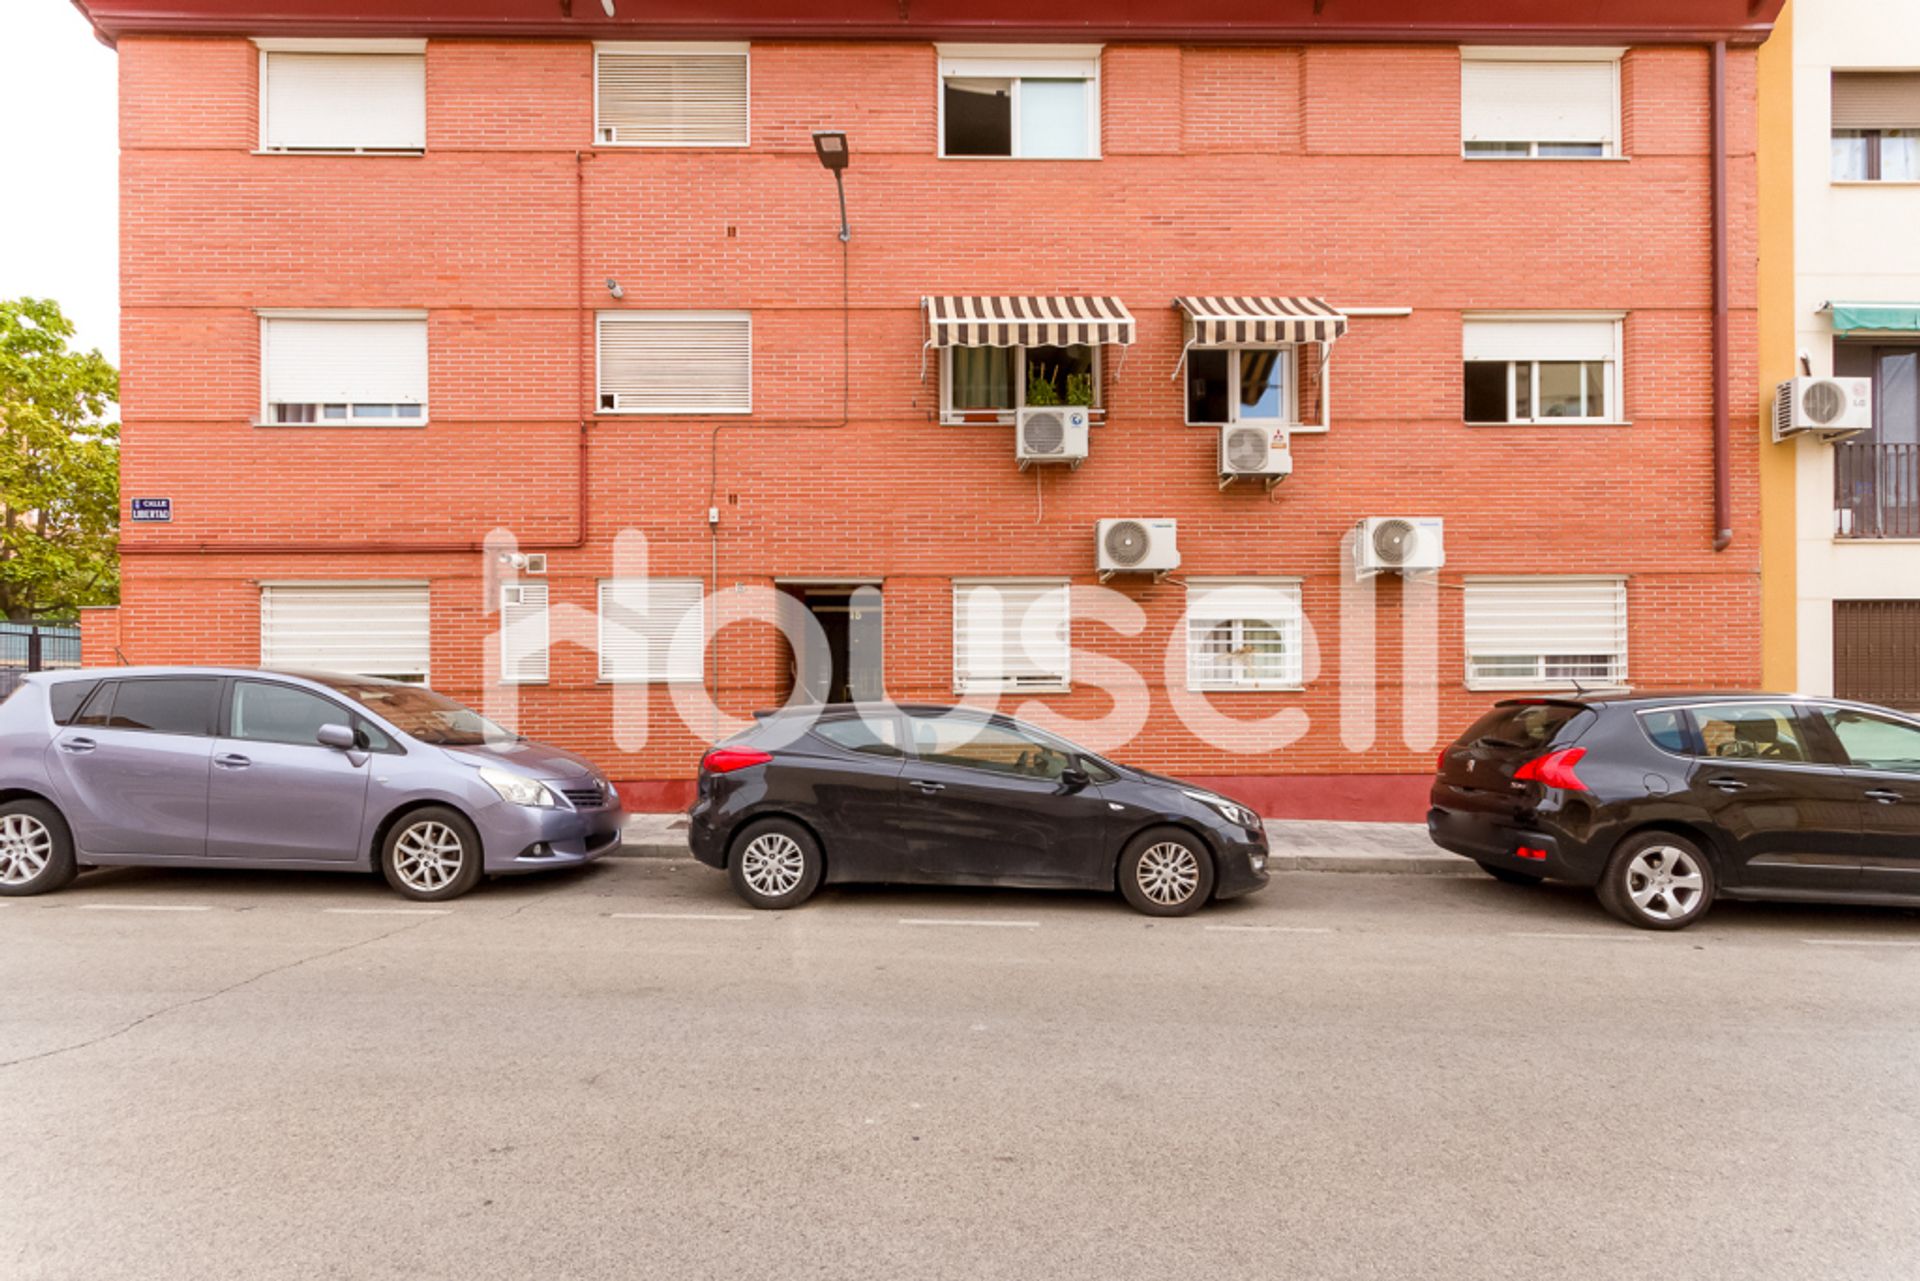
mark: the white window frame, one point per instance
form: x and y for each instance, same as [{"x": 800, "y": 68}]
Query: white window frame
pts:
[
  {"x": 703, "y": 47},
  {"x": 538, "y": 641},
  {"x": 964, "y": 683},
  {"x": 1017, "y": 63},
  {"x": 688, "y": 672},
  {"x": 1290, "y": 416},
  {"x": 952, "y": 417},
  {"x": 1613, "y": 411},
  {"x": 637, "y": 316},
  {"x": 1611, "y": 147},
  {"x": 390, "y": 48},
  {"x": 338, "y": 315},
  {"x": 1291, "y": 625},
  {"x": 1543, "y": 677}
]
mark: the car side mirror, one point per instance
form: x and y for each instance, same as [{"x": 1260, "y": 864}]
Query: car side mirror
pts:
[
  {"x": 1074, "y": 776},
  {"x": 338, "y": 736}
]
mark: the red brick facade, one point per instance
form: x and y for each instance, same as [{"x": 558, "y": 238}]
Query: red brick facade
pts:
[{"x": 1326, "y": 170}]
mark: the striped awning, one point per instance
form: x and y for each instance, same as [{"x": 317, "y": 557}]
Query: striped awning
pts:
[
  {"x": 1225, "y": 321},
  {"x": 971, "y": 320}
]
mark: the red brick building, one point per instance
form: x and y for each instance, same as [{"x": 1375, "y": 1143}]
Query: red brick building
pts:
[{"x": 398, "y": 276}]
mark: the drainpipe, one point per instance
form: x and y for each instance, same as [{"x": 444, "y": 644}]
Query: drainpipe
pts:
[{"x": 1722, "y": 480}]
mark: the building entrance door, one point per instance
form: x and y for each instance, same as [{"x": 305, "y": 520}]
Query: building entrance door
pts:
[{"x": 839, "y": 658}]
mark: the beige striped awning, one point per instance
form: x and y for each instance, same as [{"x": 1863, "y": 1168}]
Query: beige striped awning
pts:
[
  {"x": 1225, "y": 321},
  {"x": 973, "y": 320}
]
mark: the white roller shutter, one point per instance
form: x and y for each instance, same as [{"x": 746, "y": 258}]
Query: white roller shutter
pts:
[
  {"x": 344, "y": 361},
  {"x": 1541, "y": 339},
  {"x": 651, "y": 629},
  {"x": 369, "y": 629},
  {"x": 676, "y": 362},
  {"x": 523, "y": 633},
  {"x": 1548, "y": 101},
  {"x": 1544, "y": 632},
  {"x": 691, "y": 95},
  {"x": 343, "y": 101},
  {"x": 1011, "y": 633}
]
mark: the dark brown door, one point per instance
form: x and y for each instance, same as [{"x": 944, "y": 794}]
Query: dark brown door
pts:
[{"x": 1876, "y": 652}]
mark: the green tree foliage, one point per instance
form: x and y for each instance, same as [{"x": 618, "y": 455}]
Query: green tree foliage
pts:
[{"x": 59, "y": 467}]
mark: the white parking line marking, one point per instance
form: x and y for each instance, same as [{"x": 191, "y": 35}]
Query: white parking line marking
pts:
[
  {"x": 683, "y": 916},
  {"x": 957, "y": 920},
  {"x": 387, "y": 911},
  {"x": 1270, "y": 929},
  {"x": 1575, "y": 934},
  {"x": 144, "y": 907},
  {"x": 1862, "y": 942}
]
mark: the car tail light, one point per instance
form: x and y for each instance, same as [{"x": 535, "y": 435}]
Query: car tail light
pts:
[
  {"x": 1441, "y": 766},
  {"x": 725, "y": 760},
  {"x": 1555, "y": 769}
]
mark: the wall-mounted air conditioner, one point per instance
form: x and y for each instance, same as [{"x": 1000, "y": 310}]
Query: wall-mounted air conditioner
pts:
[
  {"x": 1256, "y": 452},
  {"x": 1398, "y": 544},
  {"x": 1136, "y": 547},
  {"x": 1826, "y": 408},
  {"x": 1051, "y": 434}
]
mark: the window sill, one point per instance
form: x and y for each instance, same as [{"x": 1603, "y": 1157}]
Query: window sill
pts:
[
  {"x": 1289, "y": 428},
  {"x": 671, "y": 413},
  {"x": 1578, "y": 160},
  {"x": 1063, "y": 688},
  {"x": 377, "y": 424},
  {"x": 1872, "y": 540},
  {"x": 1876, "y": 182},
  {"x": 675, "y": 146},
  {"x": 1008, "y": 418},
  {"x": 1559, "y": 422},
  {"x": 1032, "y": 160},
  {"x": 1247, "y": 689},
  {"x": 650, "y": 680},
  {"x": 1541, "y": 687},
  {"x": 369, "y": 153}
]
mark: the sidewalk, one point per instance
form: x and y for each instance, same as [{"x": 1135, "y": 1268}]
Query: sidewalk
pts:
[{"x": 1298, "y": 846}]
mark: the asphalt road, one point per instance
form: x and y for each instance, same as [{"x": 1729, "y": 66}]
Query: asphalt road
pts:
[{"x": 622, "y": 1074}]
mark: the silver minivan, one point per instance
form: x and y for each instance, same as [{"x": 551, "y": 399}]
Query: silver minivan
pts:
[{"x": 226, "y": 767}]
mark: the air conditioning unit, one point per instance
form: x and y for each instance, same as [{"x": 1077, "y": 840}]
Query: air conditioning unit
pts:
[
  {"x": 1261, "y": 453},
  {"x": 1051, "y": 434},
  {"x": 1136, "y": 547},
  {"x": 1398, "y": 544},
  {"x": 1827, "y": 408}
]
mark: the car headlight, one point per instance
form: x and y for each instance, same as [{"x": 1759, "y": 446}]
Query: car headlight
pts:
[
  {"x": 518, "y": 789},
  {"x": 1232, "y": 811}
]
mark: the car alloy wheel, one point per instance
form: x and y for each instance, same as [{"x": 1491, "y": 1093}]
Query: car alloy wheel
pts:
[
  {"x": 1168, "y": 873},
  {"x": 1665, "y": 882},
  {"x": 428, "y": 856},
  {"x": 772, "y": 864},
  {"x": 26, "y": 847}
]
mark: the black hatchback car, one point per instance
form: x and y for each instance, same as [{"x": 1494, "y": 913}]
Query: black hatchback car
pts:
[
  {"x": 953, "y": 796},
  {"x": 1665, "y": 802}
]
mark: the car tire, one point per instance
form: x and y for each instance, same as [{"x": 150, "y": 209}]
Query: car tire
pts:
[
  {"x": 775, "y": 864},
  {"x": 1166, "y": 872},
  {"x": 36, "y": 849},
  {"x": 1508, "y": 875},
  {"x": 1657, "y": 881},
  {"x": 431, "y": 855}
]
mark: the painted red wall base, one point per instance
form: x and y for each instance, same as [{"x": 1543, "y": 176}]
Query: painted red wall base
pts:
[{"x": 1377, "y": 798}]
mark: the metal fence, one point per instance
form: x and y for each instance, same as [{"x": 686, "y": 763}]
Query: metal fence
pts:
[
  {"x": 1876, "y": 490},
  {"x": 35, "y": 647}
]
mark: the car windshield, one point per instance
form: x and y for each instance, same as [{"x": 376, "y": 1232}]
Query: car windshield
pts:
[{"x": 421, "y": 713}]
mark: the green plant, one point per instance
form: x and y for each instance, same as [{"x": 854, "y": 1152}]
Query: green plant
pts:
[
  {"x": 1080, "y": 389},
  {"x": 1040, "y": 388}
]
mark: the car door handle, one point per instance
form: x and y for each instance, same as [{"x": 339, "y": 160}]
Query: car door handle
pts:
[
  {"x": 232, "y": 760},
  {"x": 928, "y": 786},
  {"x": 1727, "y": 784},
  {"x": 77, "y": 745},
  {"x": 1885, "y": 795}
]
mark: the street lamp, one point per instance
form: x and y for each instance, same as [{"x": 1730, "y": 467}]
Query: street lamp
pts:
[{"x": 831, "y": 146}]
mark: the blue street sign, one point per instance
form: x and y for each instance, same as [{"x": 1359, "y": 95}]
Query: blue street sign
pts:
[{"x": 153, "y": 509}]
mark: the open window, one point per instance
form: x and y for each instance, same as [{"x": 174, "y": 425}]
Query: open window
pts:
[
  {"x": 999, "y": 356},
  {"x": 1020, "y": 102},
  {"x": 1258, "y": 359},
  {"x": 1533, "y": 369}
]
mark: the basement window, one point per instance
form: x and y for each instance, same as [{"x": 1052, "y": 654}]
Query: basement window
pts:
[{"x": 1021, "y": 102}]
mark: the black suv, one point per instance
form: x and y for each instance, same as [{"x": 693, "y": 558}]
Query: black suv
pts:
[{"x": 1664, "y": 802}]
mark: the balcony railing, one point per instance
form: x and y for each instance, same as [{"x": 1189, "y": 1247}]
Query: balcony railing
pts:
[{"x": 1876, "y": 490}]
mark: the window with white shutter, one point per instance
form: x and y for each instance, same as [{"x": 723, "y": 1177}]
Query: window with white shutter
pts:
[
  {"x": 651, "y": 629},
  {"x": 1011, "y": 634},
  {"x": 523, "y": 633},
  {"x": 670, "y": 95},
  {"x": 368, "y": 629},
  {"x": 354, "y": 95},
  {"x": 1539, "y": 103},
  {"x": 1524, "y": 368},
  {"x": 676, "y": 362},
  {"x": 344, "y": 370},
  {"x": 1546, "y": 633},
  {"x": 1244, "y": 633}
]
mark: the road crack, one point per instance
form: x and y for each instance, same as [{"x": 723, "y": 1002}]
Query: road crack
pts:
[{"x": 151, "y": 1015}]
